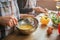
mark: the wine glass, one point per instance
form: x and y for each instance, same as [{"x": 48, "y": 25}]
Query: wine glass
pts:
[{"x": 58, "y": 5}]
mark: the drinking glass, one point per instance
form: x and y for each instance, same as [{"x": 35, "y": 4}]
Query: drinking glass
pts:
[{"x": 58, "y": 5}]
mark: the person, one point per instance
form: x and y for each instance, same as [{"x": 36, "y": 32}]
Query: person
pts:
[
  {"x": 9, "y": 15},
  {"x": 28, "y": 6}
]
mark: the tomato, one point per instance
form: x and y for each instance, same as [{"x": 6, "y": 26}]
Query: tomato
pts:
[
  {"x": 58, "y": 13},
  {"x": 49, "y": 30}
]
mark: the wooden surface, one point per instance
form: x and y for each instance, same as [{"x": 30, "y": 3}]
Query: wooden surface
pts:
[
  {"x": 39, "y": 34},
  {"x": 50, "y": 4}
]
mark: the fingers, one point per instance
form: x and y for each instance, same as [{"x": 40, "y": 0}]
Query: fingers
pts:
[
  {"x": 12, "y": 21},
  {"x": 46, "y": 12},
  {"x": 46, "y": 9},
  {"x": 15, "y": 21},
  {"x": 8, "y": 21},
  {"x": 42, "y": 10},
  {"x": 39, "y": 10}
]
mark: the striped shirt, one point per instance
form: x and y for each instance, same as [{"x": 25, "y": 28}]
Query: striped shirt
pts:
[
  {"x": 7, "y": 7},
  {"x": 31, "y": 4}
]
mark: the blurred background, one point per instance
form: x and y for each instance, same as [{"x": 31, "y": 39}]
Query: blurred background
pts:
[{"x": 50, "y": 4}]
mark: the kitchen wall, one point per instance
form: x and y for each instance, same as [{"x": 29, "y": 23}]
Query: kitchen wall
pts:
[{"x": 50, "y": 4}]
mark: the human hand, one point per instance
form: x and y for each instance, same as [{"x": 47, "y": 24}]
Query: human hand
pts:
[
  {"x": 39, "y": 9},
  {"x": 26, "y": 15},
  {"x": 46, "y": 12},
  {"x": 8, "y": 21}
]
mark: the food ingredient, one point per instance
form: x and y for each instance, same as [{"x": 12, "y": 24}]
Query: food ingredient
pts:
[
  {"x": 59, "y": 28},
  {"x": 26, "y": 27},
  {"x": 49, "y": 30},
  {"x": 45, "y": 20}
]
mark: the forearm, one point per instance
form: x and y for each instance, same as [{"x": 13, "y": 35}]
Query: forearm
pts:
[
  {"x": 26, "y": 10},
  {"x": 1, "y": 20}
]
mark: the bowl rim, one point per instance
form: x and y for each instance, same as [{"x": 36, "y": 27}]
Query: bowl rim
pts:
[{"x": 35, "y": 24}]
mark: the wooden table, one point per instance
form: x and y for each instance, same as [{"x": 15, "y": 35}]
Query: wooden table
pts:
[
  {"x": 39, "y": 34},
  {"x": 50, "y": 4}
]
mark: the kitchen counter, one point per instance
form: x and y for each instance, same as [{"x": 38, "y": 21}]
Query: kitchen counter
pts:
[{"x": 39, "y": 34}]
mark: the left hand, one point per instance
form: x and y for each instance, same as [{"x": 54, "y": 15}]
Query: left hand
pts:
[{"x": 39, "y": 9}]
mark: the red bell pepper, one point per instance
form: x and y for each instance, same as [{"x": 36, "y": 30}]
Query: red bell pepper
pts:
[{"x": 59, "y": 28}]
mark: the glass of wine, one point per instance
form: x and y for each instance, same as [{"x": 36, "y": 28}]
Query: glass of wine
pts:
[{"x": 58, "y": 5}]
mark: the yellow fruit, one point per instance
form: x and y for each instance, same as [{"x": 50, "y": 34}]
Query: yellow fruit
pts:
[{"x": 44, "y": 20}]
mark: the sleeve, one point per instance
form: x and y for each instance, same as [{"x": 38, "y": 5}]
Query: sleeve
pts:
[
  {"x": 21, "y": 7},
  {"x": 32, "y": 3},
  {"x": 0, "y": 9},
  {"x": 15, "y": 9},
  {"x": 25, "y": 10}
]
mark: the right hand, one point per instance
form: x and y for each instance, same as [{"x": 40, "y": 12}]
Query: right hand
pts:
[{"x": 8, "y": 21}]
